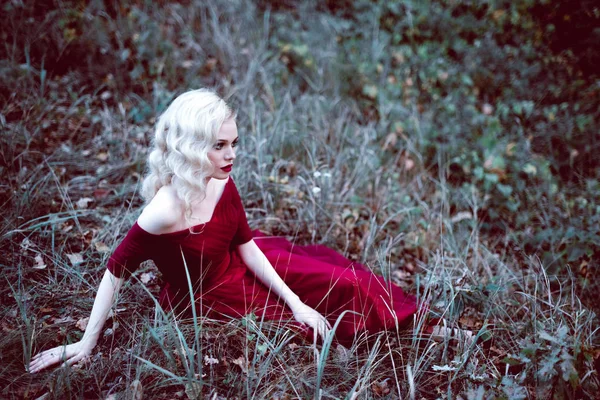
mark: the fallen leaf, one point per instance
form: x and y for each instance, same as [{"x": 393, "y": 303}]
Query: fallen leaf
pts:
[
  {"x": 242, "y": 363},
  {"x": 26, "y": 244},
  {"x": 39, "y": 262},
  {"x": 101, "y": 247},
  {"x": 193, "y": 390},
  {"x": 64, "y": 320},
  {"x": 443, "y": 368},
  {"x": 510, "y": 148},
  {"x": 137, "y": 390},
  {"x": 147, "y": 277},
  {"x": 462, "y": 215},
  {"x": 100, "y": 194},
  {"x": 83, "y": 202},
  {"x": 390, "y": 141},
  {"x": 399, "y": 276},
  {"x": 82, "y": 323},
  {"x": 210, "y": 360},
  {"x": 75, "y": 258},
  {"x": 343, "y": 354},
  {"x": 381, "y": 388},
  {"x": 105, "y": 95}
]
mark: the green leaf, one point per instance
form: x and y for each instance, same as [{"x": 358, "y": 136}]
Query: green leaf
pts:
[
  {"x": 466, "y": 80},
  {"x": 506, "y": 190},
  {"x": 530, "y": 169},
  {"x": 493, "y": 178},
  {"x": 576, "y": 252},
  {"x": 262, "y": 348},
  {"x": 370, "y": 91},
  {"x": 478, "y": 172}
]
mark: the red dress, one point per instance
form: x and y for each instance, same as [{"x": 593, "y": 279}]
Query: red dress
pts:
[{"x": 224, "y": 286}]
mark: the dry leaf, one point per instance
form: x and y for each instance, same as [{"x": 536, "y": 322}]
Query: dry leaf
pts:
[
  {"x": 487, "y": 109},
  {"x": 193, "y": 390},
  {"x": 209, "y": 360},
  {"x": 64, "y": 320},
  {"x": 381, "y": 389},
  {"x": 39, "y": 262},
  {"x": 101, "y": 247},
  {"x": 82, "y": 323},
  {"x": 106, "y": 95},
  {"x": 75, "y": 258},
  {"x": 137, "y": 390},
  {"x": 242, "y": 363},
  {"x": 26, "y": 244},
  {"x": 147, "y": 277},
  {"x": 510, "y": 148},
  {"x": 400, "y": 276},
  {"x": 343, "y": 354},
  {"x": 100, "y": 194},
  {"x": 461, "y": 216},
  {"x": 83, "y": 202},
  {"x": 390, "y": 141}
]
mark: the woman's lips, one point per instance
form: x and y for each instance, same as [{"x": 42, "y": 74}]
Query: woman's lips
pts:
[{"x": 227, "y": 168}]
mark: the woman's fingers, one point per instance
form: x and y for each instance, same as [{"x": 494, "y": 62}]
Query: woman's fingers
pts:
[
  {"x": 314, "y": 320},
  {"x": 42, "y": 360},
  {"x": 323, "y": 327},
  {"x": 73, "y": 360},
  {"x": 49, "y": 358}
]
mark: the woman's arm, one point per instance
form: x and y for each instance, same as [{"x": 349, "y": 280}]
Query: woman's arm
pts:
[
  {"x": 255, "y": 259},
  {"x": 72, "y": 353},
  {"x": 158, "y": 217}
]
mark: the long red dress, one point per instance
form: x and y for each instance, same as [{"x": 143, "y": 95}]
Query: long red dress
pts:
[{"x": 224, "y": 286}]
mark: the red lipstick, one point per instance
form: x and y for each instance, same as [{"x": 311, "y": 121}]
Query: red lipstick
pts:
[{"x": 227, "y": 168}]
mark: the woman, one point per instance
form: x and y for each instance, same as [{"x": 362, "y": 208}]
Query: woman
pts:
[{"x": 194, "y": 228}]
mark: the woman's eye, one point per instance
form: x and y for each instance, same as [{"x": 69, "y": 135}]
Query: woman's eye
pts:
[
  {"x": 218, "y": 146},
  {"x": 234, "y": 144}
]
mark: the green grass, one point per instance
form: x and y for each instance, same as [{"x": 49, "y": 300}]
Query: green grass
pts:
[{"x": 362, "y": 128}]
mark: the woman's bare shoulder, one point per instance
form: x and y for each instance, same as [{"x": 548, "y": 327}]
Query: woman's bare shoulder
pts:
[{"x": 164, "y": 211}]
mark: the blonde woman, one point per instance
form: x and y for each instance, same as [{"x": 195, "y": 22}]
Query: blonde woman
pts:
[{"x": 194, "y": 227}]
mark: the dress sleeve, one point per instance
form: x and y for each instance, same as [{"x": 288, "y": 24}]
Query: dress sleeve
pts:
[
  {"x": 135, "y": 248},
  {"x": 243, "y": 233}
]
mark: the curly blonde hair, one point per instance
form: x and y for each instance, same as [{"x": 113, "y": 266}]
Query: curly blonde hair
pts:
[{"x": 184, "y": 134}]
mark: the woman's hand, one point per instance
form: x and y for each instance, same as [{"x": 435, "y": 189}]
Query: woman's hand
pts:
[
  {"x": 313, "y": 319},
  {"x": 256, "y": 261},
  {"x": 68, "y": 355}
]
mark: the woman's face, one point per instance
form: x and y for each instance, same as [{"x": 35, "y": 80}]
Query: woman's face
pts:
[{"x": 222, "y": 154}]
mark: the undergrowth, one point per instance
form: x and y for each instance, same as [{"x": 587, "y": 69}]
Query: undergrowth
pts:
[{"x": 395, "y": 132}]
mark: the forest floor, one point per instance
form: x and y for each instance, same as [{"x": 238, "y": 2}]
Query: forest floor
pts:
[{"x": 449, "y": 146}]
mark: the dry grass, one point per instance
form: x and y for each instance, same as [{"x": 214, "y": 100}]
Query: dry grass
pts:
[{"x": 310, "y": 168}]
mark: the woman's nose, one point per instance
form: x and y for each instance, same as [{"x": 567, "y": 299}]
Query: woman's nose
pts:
[{"x": 230, "y": 155}]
